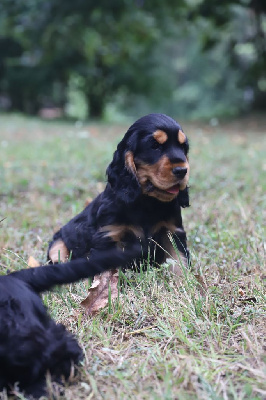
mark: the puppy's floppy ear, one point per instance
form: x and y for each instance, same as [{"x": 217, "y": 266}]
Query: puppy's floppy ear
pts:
[
  {"x": 183, "y": 197},
  {"x": 121, "y": 173}
]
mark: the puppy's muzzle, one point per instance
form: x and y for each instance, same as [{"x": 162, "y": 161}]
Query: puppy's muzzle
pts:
[{"x": 179, "y": 172}]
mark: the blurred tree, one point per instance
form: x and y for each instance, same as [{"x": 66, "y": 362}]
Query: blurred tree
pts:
[
  {"x": 241, "y": 26},
  {"x": 128, "y": 50},
  {"x": 109, "y": 45}
]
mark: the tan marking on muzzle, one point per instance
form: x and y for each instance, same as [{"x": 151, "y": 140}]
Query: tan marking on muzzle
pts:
[
  {"x": 160, "y": 173},
  {"x": 117, "y": 232},
  {"x": 161, "y": 176},
  {"x": 160, "y": 136},
  {"x": 58, "y": 252},
  {"x": 181, "y": 137}
]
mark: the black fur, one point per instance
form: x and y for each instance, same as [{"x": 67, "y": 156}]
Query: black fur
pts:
[
  {"x": 31, "y": 343},
  {"x": 124, "y": 203}
]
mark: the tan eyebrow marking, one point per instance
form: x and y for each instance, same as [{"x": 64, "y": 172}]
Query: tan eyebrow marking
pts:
[
  {"x": 160, "y": 136},
  {"x": 181, "y": 137}
]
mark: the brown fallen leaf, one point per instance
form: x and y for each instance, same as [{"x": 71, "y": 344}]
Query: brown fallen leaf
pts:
[
  {"x": 201, "y": 284},
  {"x": 32, "y": 263},
  {"x": 99, "y": 291}
]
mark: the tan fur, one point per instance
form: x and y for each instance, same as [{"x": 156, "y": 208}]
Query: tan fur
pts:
[
  {"x": 162, "y": 177},
  {"x": 169, "y": 225},
  {"x": 160, "y": 136},
  {"x": 117, "y": 232},
  {"x": 59, "y": 251},
  {"x": 181, "y": 137},
  {"x": 129, "y": 162}
]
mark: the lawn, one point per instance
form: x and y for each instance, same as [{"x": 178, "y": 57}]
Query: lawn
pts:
[{"x": 159, "y": 340}]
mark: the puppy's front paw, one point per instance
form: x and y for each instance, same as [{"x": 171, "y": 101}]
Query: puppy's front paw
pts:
[{"x": 58, "y": 252}]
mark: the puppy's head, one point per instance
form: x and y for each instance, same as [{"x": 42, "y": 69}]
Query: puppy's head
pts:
[{"x": 151, "y": 160}]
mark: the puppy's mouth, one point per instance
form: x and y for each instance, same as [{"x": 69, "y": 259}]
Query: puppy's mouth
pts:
[{"x": 172, "y": 190}]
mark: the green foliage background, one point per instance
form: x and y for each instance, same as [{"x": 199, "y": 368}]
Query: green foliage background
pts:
[{"x": 198, "y": 58}]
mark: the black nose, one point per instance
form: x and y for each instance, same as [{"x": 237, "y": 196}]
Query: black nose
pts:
[{"x": 179, "y": 172}]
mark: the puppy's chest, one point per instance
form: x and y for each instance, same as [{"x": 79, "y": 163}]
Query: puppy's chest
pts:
[{"x": 140, "y": 225}]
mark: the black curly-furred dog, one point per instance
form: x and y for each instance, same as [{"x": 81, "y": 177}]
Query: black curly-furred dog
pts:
[
  {"x": 31, "y": 343},
  {"x": 147, "y": 186}
]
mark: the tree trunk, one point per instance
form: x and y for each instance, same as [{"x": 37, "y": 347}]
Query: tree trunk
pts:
[
  {"x": 17, "y": 101},
  {"x": 95, "y": 104}
]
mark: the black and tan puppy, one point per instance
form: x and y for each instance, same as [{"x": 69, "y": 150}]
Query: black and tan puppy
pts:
[
  {"x": 147, "y": 186},
  {"x": 31, "y": 343}
]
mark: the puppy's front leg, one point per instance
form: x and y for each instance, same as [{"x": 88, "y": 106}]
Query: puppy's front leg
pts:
[
  {"x": 175, "y": 246},
  {"x": 73, "y": 238},
  {"x": 58, "y": 252}
]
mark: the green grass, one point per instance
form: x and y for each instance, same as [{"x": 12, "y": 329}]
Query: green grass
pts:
[{"x": 160, "y": 340}]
